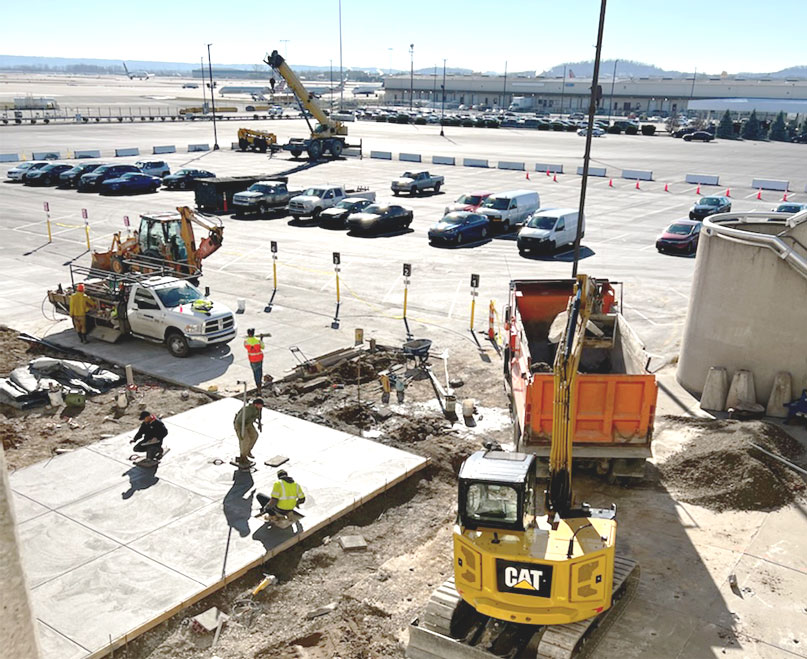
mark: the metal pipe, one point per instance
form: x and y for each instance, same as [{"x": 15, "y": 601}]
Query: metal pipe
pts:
[
  {"x": 613, "y": 81},
  {"x": 443, "y": 110}
]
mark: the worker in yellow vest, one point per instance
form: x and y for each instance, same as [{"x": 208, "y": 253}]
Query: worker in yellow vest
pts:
[
  {"x": 254, "y": 347},
  {"x": 80, "y": 303},
  {"x": 286, "y": 495}
]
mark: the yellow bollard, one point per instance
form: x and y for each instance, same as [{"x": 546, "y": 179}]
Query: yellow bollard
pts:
[
  {"x": 87, "y": 233},
  {"x": 274, "y": 271},
  {"x": 50, "y": 235},
  {"x": 406, "y": 291},
  {"x": 337, "y": 285},
  {"x": 473, "y": 307}
]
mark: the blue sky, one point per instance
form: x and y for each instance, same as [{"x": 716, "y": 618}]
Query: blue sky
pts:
[{"x": 712, "y": 36}]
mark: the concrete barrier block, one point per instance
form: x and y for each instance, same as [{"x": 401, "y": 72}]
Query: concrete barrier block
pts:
[
  {"x": 507, "y": 164},
  {"x": 410, "y": 157},
  {"x": 741, "y": 389},
  {"x": 637, "y": 174},
  {"x": 9, "y": 157},
  {"x": 234, "y": 146},
  {"x": 133, "y": 151},
  {"x": 474, "y": 162},
  {"x": 352, "y": 152},
  {"x": 781, "y": 394},
  {"x": 87, "y": 153},
  {"x": 444, "y": 160},
  {"x": 547, "y": 167},
  {"x": 381, "y": 155},
  {"x": 168, "y": 148},
  {"x": 592, "y": 171},
  {"x": 770, "y": 184},
  {"x": 198, "y": 147},
  {"x": 46, "y": 155},
  {"x": 715, "y": 389},
  {"x": 702, "y": 179}
]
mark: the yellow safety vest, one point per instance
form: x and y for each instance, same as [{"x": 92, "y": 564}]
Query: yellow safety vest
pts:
[{"x": 287, "y": 494}]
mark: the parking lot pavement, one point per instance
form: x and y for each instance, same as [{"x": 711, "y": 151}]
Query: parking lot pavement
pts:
[{"x": 622, "y": 224}]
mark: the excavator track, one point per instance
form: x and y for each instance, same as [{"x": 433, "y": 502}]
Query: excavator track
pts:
[{"x": 451, "y": 629}]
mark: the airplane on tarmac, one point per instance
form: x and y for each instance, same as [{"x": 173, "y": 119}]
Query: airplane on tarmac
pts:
[
  {"x": 137, "y": 75},
  {"x": 367, "y": 89}
]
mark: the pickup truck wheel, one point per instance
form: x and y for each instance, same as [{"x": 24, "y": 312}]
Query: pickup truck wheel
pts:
[
  {"x": 552, "y": 247},
  {"x": 336, "y": 148},
  {"x": 436, "y": 188},
  {"x": 395, "y": 192},
  {"x": 263, "y": 209},
  {"x": 176, "y": 343},
  {"x": 315, "y": 213},
  {"x": 413, "y": 190}
]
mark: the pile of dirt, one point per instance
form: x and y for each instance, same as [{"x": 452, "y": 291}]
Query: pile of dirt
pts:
[{"x": 721, "y": 470}]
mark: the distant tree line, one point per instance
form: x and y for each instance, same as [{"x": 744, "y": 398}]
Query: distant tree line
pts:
[{"x": 778, "y": 130}]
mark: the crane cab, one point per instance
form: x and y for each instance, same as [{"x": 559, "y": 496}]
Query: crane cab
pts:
[{"x": 512, "y": 562}]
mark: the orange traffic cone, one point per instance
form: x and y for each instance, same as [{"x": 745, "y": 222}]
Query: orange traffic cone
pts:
[
  {"x": 528, "y": 176},
  {"x": 759, "y": 194},
  {"x": 698, "y": 190},
  {"x": 555, "y": 178},
  {"x": 666, "y": 188},
  {"x": 637, "y": 184},
  {"x": 610, "y": 183},
  {"x": 728, "y": 192},
  {"x": 784, "y": 197},
  {"x": 547, "y": 171}
]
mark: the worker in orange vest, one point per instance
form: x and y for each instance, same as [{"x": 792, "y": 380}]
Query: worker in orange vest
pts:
[
  {"x": 80, "y": 303},
  {"x": 254, "y": 347}
]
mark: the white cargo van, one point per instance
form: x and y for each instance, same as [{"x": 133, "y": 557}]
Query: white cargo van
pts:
[
  {"x": 508, "y": 209},
  {"x": 548, "y": 229}
]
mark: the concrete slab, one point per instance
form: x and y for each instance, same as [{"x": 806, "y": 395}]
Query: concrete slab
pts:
[
  {"x": 25, "y": 508},
  {"x": 777, "y": 542},
  {"x": 110, "y": 549}
]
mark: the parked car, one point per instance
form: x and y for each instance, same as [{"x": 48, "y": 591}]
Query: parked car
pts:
[
  {"x": 131, "y": 183},
  {"x": 709, "y": 206},
  {"x": 190, "y": 85},
  {"x": 681, "y": 237},
  {"x": 596, "y": 132},
  {"x": 17, "y": 173},
  {"x": 93, "y": 180},
  {"x": 548, "y": 229},
  {"x": 261, "y": 197},
  {"x": 336, "y": 217},
  {"x": 153, "y": 167},
  {"x": 47, "y": 175},
  {"x": 379, "y": 218},
  {"x": 506, "y": 210},
  {"x": 789, "y": 207},
  {"x": 459, "y": 227},
  {"x": 467, "y": 202},
  {"x": 69, "y": 178},
  {"x": 699, "y": 136},
  {"x": 185, "y": 179}
]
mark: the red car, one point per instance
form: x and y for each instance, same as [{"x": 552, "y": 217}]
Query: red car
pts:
[
  {"x": 681, "y": 237},
  {"x": 467, "y": 202}
]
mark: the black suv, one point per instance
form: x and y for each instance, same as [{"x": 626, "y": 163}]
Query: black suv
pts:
[
  {"x": 93, "y": 180},
  {"x": 709, "y": 206},
  {"x": 69, "y": 179}
]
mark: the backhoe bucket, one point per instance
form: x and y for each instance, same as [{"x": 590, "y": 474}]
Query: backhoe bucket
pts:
[{"x": 102, "y": 260}]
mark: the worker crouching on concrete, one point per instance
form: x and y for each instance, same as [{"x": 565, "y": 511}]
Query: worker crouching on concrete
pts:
[
  {"x": 245, "y": 422},
  {"x": 80, "y": 303},
  {"x": 153, "y": 432},
  {"x": 286, "y": 495}
]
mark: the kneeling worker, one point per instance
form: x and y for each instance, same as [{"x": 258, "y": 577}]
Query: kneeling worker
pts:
[
  {"x": 153, "y": 432},
  {"x": 286, "y": 494}
]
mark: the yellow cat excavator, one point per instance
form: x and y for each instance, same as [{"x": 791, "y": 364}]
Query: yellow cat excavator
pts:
[
  {"x": 530, "y": 582},
  {"x": 163, "y": 240}
]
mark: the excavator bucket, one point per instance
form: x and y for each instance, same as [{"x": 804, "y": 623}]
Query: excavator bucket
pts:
[{"x": 102, "y": 260}]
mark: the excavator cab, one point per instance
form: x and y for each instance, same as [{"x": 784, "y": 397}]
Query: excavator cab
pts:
[{"x": 160, "y": 236}]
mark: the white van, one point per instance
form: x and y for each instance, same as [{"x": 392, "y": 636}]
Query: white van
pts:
[
  {"x": 508, "y": 209},
  {"x": 548, "y": 229}
]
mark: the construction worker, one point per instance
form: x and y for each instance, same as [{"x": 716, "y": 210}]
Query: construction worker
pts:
[
  {"x": 254, "y": 348},
  {"x": 286, "y": 495},
  {"x": 245, "y": 421},
  {"x": 153, "y": 432},
  {"x": 80, "y": 302}
]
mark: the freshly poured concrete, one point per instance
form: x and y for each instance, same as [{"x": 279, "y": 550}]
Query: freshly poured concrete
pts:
[{"x": 110, "y": 550}]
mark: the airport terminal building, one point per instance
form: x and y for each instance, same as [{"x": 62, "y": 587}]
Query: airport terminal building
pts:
[{"x": 768, "y": 96}]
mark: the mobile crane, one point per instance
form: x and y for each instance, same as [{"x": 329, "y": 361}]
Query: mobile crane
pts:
[
  {"x": 528, "y": 584},
  {"x": 328, "y": 136}
]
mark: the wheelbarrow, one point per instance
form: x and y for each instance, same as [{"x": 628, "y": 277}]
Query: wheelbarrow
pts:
[{"x": 418, "y": 350}]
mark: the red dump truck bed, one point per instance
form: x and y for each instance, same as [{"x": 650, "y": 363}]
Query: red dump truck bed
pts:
[{"x": 615, "y": 400}]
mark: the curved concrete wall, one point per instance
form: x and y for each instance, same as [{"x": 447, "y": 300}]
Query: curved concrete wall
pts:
[{"x": 747, "y": 310}]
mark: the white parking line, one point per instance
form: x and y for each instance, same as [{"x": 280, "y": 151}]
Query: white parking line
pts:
[
  {"x": 454, "y": 300},
  {"x": 686, "y": 297},
  {"x": 391, "y": 288}
]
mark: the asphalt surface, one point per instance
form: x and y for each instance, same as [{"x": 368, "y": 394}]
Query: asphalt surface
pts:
[{"x": 622, "y": 224}]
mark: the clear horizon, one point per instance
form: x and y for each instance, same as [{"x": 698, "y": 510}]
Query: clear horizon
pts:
[{"x": 732, "y": 35}]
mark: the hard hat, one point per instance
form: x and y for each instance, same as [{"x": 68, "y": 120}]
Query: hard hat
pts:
[
  {"x": 282, "y": 473},
  {"x": 80, "y": 288}
]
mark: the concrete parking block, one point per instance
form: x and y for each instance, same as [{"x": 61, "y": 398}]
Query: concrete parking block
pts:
[{"x": 53, "y": 544}]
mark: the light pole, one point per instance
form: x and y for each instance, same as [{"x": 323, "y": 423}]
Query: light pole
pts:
[
  {"x": 443, "y": 111},
  {"x": 212, "y": 99},
  {"x": 504, "y": 86},
  {"x": 411, "y": 74},
  {"x": 611, "y": 102},
  {"x": 434, "y": 85},
  {"x": 331, "y": 103},
  {"x": 341, "y": 74},
  {"x": 202, "y": 78},
  {"x": 562, "y": 90}
]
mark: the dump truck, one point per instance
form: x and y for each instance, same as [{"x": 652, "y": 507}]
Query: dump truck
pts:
[
  {"x": 615, "y": 396},
  {"x": 163, "y": 239},
  {"x": 159, "y": 307},
  {"x": 257, "y": 140}
]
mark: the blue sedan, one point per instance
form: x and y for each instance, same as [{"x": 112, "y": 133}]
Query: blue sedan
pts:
[
  {"x": 459, "y": 227},
  {"x": 131, "y": 183}
]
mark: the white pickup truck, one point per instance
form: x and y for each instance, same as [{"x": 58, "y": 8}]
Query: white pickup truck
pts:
[
  {"x": 156, "y": 308},
  {"x": 316, "y": 199},
  {"x": 415, "y": 183}
]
